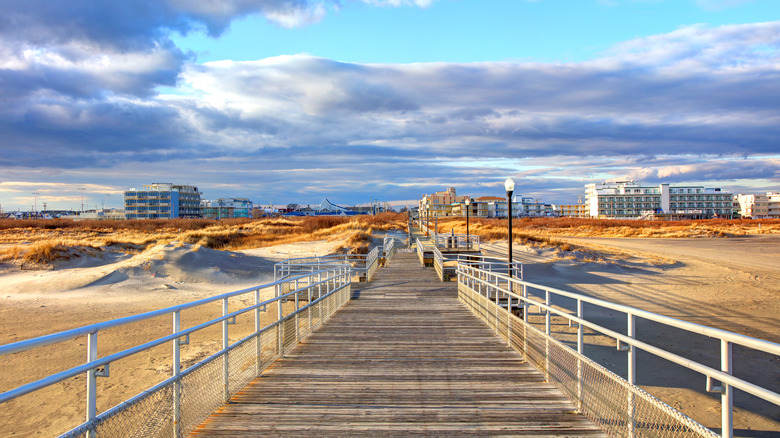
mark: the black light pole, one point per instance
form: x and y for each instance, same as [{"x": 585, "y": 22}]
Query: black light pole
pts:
[
  {"x": 468, "y": 207},
  {"x": 509, "y": 185}
]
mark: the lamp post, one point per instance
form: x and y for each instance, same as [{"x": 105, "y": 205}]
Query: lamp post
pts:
[
  {"x": 509, "y": 185},
  {"x": 468, "y": 207},
  {"x": 427, "y": 220}
]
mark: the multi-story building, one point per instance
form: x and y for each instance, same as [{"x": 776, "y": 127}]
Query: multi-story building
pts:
[
  {"x": 572, "y": 210},
  {"x": 162, "y": 201},
  {"x": 531, "y": 208},
  {"x": 627, "y": 199},
  {"x": 448, "y": 204},
  {"x": 439, "y": 204},
  {"x": 753, "y": 206},
  {"x": 773, "y": 205},
  {"x": 226, "y": 208}
]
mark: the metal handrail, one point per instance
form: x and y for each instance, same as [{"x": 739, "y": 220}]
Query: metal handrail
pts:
[
  {"x": 67, "y": 335},
  {"x": 365, "y": 263},
  {"x": 471, "y": 276},
  {"x": 457, "y": 241},
  {"x": 390, "y": 245},
  {"x": 492, "y": 264},
  {"x": 329, "y": 281}
]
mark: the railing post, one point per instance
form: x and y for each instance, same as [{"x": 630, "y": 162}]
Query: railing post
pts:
[
  {"x": 279, "y": 325},
  {"x": 259, "y": 344},
  {"x": 297, "y": 338},
  {"x": 176, "y": 371},
  {"x": 308, "y": 303},
  {"x": 509, "y": 315},
  {"x": 526, "y": 307},
  {"x": 631, "y": 375},
  {"x": 496, "y": 289},
  {"x": 547, "y": 338},
  {"x": 727, "y": 395},
  {"x": 225, "y": 344},
  {"x": 580, "y": 337},
  {"x": 91, "y": 381}
]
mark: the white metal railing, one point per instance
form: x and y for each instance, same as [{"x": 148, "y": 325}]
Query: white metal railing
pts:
[
  {"x": 178, "y": 404},
  {"x": 390, "y": 245},
  {"x": 363, "y": 265},
  {"x": 446, "y": 264},
  {"x": 423, "y": 247},
  {"x": 459, "y": 242},
  {"x": 484, "y": 290},
  {"x": 492, "y": 264},
  {"x": 429, "y": 233}
]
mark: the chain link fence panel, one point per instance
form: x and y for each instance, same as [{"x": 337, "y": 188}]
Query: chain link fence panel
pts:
[{"x": 617, "y": 407}]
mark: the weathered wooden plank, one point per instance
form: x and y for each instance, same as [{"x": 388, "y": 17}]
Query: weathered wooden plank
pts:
[{"x": 402, "y": 358}]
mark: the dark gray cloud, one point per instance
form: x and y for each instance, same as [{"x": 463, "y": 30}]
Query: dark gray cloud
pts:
[
  {"x": 698, "y": 104},
  {"x": 133, "y": 25}
]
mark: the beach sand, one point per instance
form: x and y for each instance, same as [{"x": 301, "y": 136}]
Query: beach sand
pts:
[
  {"x": 85, "y": 290},
  {"x": 727, "y": 283}
]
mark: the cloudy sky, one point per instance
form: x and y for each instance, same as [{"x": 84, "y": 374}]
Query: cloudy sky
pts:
[{"x": 289, "y": 101}]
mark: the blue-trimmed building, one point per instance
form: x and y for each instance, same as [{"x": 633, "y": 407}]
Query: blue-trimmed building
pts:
[{"x": 163, "y": 201}]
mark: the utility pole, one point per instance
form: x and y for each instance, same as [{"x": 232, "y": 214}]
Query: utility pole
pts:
[
  {"x": 81, "y": 189},
  {"x": 35, "y": 201}
]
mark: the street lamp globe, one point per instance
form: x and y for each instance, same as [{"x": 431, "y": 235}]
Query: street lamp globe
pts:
[{"x": 509, "y": 185}]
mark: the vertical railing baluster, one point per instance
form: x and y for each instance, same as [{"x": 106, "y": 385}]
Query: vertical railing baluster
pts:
[
  {"x": 631, "y": 323},
  {"x": 258, "y": 342},
  {"x": 91, "y": 382},
  {"x": 727, "y": 394},
  {"x": 225, "y": 344},
  {"x": 297, "y": 322},
  {"x": 176, "y": 371},
  {"x": 580, "y": 338},
  {"x": 547, "y": 338}
]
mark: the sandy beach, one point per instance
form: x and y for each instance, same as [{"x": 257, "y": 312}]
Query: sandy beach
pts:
[
  {"x": 729, "y": 283},
  {"x": 85, "y": 290}
]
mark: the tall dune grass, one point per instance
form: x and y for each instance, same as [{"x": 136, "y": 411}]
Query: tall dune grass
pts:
[
  {"x": 539, "y": 229},
  {"x": 44, "y": 241}
]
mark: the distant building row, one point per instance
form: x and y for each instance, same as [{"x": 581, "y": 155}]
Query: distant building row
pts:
[
  {"x": 613, "y": 199},
  {"x": 448, "y": 204},
  {"x": 171, "y": 201}
]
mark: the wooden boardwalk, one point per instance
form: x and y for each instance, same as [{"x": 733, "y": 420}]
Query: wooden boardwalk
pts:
[{"x": 402, "y": 358}]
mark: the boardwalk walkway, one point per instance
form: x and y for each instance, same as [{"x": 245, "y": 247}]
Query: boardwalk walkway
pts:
[{"x": 402, "y": 358}]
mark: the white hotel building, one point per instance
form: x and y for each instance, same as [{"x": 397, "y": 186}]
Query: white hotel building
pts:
[{"x": 630, "y": 200}]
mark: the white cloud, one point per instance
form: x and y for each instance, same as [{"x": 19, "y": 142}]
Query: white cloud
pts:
[
  {"x": 397, "y": 3},
  {"x": 720, "y": 4}
]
